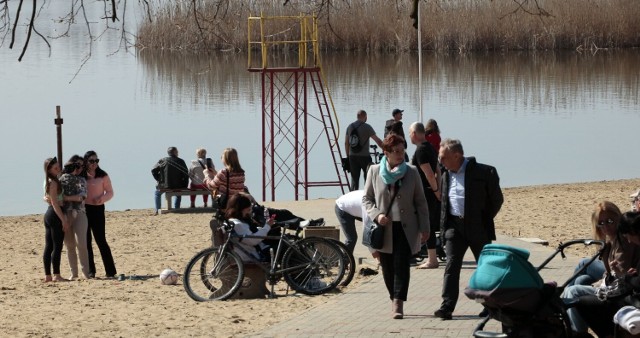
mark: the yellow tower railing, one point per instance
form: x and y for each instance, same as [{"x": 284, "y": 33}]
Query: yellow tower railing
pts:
[{"x": 270, "y": 35}]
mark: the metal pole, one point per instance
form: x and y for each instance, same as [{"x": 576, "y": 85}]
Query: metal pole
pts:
[
  {"x": 58, "y": 122},
  {"x": 420, "y": 63}
]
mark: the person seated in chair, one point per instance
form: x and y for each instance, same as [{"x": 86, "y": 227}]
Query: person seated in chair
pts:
[{"x": 238, "y": 212}]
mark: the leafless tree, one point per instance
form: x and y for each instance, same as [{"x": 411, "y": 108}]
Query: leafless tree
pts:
[{"x": 20, "y": 19}]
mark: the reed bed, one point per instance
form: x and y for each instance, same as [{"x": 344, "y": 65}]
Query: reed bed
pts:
[{"x": 383, "y": 25}]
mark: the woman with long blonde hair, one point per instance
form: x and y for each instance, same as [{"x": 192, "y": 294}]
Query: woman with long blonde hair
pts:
[
  {"x": 229, "y": 180},
  {"x": 55, "y": 221}
]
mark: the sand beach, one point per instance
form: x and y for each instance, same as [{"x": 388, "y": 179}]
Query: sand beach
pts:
[{"x": 144, "y": 245}]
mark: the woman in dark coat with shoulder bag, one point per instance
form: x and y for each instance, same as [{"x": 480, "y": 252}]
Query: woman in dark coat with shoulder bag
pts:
[{"x": 394, "y": 199}]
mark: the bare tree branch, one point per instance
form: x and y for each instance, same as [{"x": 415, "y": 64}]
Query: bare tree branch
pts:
[
  {"x": 114, "y": 14},
  {"x": 15, "y": 25},
  {"x": 26, "y": 43}
]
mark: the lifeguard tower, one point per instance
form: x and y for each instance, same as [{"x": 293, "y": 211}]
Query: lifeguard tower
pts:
[{"x": 285, "y": 51}]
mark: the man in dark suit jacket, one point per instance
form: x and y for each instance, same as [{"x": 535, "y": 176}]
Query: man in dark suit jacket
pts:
[{"x": 471, "y": 198}]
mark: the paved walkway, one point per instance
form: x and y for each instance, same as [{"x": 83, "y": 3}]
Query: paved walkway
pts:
[{"x": 365, "y": 310}]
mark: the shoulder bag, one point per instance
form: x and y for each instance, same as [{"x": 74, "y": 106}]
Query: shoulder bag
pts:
[{"x": 373, "y": 233}]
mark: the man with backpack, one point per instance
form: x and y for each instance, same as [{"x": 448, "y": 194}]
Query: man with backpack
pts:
[{"x": 357, "y": 147}]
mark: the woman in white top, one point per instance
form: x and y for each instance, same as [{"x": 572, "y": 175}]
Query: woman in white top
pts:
[
  {"x": 238, "y": 212},
  {"x": 197, "y": 176}
]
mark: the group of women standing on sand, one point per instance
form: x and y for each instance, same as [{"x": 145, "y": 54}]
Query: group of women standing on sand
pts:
[{"x": 76, "y": 195}]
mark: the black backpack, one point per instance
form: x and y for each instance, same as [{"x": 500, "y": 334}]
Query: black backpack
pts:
[{"x": 354, "y": 139}]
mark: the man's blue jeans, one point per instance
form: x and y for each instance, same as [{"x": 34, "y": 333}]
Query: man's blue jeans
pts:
[
  {"x": 348, "y": 226},
  {"x": 158, "y": 196}
]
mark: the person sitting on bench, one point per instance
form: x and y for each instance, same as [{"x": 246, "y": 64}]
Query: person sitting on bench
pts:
[{"x": 170, "y": 173}]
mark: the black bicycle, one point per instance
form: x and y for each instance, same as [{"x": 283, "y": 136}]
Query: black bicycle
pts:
[
  {"x": 311, "y": 266},
  {"x": 377, "y": 156}
]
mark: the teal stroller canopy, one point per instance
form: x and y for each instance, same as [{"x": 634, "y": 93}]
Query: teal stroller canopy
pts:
[{"x": 505, "y": 278}]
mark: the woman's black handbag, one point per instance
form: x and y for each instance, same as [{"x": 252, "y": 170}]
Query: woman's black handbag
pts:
[{"x": 373, "y": 233}]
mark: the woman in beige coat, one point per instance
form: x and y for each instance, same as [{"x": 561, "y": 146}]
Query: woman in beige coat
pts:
[{"x": 405, "y": 219}]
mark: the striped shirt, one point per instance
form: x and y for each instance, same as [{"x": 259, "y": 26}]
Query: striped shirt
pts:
[{"x": 236, "y": 182}]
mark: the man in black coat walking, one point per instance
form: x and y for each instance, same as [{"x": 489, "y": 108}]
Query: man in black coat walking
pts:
[{"x": 471, "y": 198}]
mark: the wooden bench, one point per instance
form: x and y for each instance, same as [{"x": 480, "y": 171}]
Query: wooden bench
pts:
[
  {"x": 323, "y": 231},
  {"x": 168, "y": 193}
]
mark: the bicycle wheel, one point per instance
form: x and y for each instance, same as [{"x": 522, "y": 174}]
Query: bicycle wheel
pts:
[
  {"x": 349, "y": 260},
  {"x": 313, "y": 266},
  {"x": 210, "y": 275}
]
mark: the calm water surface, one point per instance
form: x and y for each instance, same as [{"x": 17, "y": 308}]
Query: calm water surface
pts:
[{"x": 539, "y": 118}]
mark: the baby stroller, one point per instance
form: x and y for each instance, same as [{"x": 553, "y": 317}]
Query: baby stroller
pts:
[{"x": 513, "y": 292}]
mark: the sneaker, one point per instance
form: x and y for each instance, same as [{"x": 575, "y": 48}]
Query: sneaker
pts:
[
  {"x": 312, "y": 223},
  {"x": 368, "y": 272},
  {"x": 316, "y": 222}
]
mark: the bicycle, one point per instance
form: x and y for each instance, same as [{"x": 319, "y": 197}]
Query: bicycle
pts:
[
  {"x": 350, "y": 262},
  {"x": 311, "y": 266},
  {"x": 377, "y": 156}
]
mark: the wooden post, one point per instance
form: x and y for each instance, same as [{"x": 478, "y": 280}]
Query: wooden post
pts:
[{"x": 58, "y": 123}]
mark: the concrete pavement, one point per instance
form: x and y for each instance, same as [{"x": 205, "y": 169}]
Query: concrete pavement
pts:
[{"x": 365, "y": 310}]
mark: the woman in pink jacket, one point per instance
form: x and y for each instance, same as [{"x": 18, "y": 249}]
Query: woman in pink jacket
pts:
[{"x": 99, "y": 191}]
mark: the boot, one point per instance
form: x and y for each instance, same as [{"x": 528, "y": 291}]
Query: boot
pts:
[{"x": 397, "y": 309}]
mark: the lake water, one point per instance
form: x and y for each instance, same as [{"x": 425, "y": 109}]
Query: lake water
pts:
[{"x": 540, "y": 118}]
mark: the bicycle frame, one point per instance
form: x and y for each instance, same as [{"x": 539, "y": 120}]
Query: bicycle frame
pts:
[{"x": 233, "y": 241}]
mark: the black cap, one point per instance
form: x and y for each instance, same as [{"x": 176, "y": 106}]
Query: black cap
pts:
[{"x": 396, "y": 111}]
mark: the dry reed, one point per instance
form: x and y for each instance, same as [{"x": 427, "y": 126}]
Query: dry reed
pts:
[{"x": 382, "y": 25}]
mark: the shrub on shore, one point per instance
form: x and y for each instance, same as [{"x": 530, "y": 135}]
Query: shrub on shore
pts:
[{"x": 382, "y": 25}]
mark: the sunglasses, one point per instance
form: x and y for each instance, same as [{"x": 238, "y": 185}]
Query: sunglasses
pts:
[
  {"x": 609, "y": 221},
  {"x": 78, "y": 165},
  {"x": 97, "y": 160}
]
